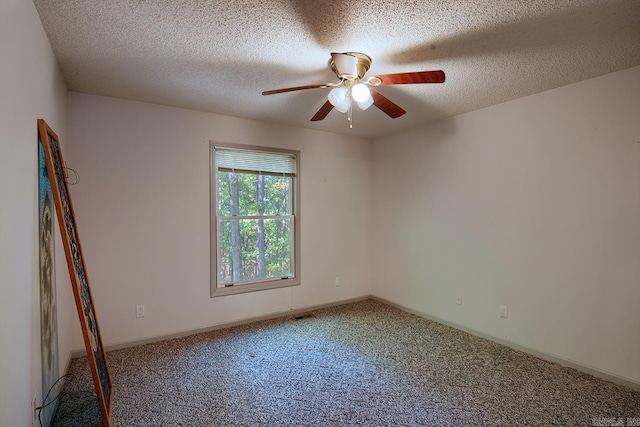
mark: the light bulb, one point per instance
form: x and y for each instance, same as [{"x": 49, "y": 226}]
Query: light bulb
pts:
[
  {"x": 360, "y": 92},
  {"x": 344, "y": 105},
  {"x": 337, "y": 95},
  {"x": 366, "y": 103}
]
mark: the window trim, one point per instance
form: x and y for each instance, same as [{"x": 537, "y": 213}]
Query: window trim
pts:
[{"x": 213, "y": 218}]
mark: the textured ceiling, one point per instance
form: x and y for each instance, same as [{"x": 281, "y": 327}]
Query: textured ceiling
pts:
[{"x": 218, "y": 56}]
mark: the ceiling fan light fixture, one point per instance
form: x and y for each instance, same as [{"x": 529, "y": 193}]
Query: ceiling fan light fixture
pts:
[
  {"x": 337, "y": 95},
  {"x": 366, "y": 103},
  {"x": 360, "y": 92},
  {"x": 344, "y": 106}
]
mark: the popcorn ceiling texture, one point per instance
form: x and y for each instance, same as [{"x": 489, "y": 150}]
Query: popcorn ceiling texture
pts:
[
  {"x": 360, "y": 364},
  {"x": 218, "y": 56}
]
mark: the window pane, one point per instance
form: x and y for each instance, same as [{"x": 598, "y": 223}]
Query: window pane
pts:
[
  {"x": 254, "y": 249},
  {"x": 248, "y": 194}
]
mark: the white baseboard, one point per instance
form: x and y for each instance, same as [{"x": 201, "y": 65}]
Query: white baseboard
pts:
[
  {"x": 164, "y": 337},
  {"x": 549, "y": 357}
]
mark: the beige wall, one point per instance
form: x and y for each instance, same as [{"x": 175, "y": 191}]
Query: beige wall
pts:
[
  {"x": 142, "y": 206},
  {"x": 533, "y": 203},
  {"x": 31, "y": 87}
]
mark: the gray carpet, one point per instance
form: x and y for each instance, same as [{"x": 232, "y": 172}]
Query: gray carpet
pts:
[{"x": 360, "y": 364}]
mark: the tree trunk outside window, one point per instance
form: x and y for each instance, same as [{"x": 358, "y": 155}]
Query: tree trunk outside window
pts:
[{"x": 236, "y": 259}]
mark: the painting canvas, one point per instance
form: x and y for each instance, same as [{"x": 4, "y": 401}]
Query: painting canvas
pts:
[
  {"x": 48, "y": 311},
  {"x": 77, "y": 271}
]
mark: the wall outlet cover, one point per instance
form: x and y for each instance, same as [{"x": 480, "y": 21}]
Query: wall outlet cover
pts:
[{"x": 504, "y": 311}]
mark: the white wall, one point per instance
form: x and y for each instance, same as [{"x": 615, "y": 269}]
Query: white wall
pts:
[
  {"x": 31, "y": 87},
  {"x": 534, "y": 203},
  {"x": 142, "y": 207}
]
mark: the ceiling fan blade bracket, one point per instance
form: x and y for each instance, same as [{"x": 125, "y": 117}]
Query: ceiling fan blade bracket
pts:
[
  {"x": 296, "y": 88},
  {"x": 374, "y": 81}
]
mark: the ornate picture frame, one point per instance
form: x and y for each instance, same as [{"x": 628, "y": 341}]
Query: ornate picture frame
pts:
[{"x": 79, "y": 280}]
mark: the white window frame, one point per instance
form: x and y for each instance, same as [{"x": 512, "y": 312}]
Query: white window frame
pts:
[{"x": 213, "y": 214}]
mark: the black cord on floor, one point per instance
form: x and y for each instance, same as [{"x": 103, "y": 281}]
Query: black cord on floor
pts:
[{"x": 44, "y": 402}]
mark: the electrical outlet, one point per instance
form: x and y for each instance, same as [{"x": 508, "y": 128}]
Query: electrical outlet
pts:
[
  {"x": 139, "y": 311},
  {"x": 337, "y": 282},
  {"x": 459, "y": 299},
  {"x": 504, "y": 311}
]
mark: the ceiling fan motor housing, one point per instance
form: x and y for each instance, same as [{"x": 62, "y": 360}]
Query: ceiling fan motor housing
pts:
[{"x": 351, "y": 65}]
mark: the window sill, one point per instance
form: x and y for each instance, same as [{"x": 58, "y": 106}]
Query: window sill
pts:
[{"x": 253, "y": 287}]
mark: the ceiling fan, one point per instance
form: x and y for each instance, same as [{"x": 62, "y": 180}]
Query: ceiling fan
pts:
[{"x": 350, "y": 67}]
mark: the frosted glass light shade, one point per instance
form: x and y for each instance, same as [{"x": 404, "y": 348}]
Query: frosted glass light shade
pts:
[
  {"x": 344, "y": 105},
  {"x": 360, "y": 92},
  {"x": 337, "y": 95},
  {"x": 366, "y": 103}
]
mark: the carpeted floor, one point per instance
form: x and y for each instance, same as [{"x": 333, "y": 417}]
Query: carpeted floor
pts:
[{"x": 360, "y": 364}]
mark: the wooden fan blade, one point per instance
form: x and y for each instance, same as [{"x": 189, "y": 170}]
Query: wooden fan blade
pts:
[
  {"x": 347, "y": 65},
  {"x": 386, "y": 105},
  {"x": 412, "y": 77},
  {"x": 322, "y": 112},
  {"x": 291, "y": 89}
]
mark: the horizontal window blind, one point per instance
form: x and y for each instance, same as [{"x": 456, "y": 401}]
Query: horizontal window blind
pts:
[{"x": 228, "y": 160}]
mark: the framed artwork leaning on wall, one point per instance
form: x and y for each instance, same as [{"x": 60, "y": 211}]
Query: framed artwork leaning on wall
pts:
[{"x": 75, "y": 263}]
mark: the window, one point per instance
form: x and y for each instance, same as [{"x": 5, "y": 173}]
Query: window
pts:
[{"x": 255, "y": 221}]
